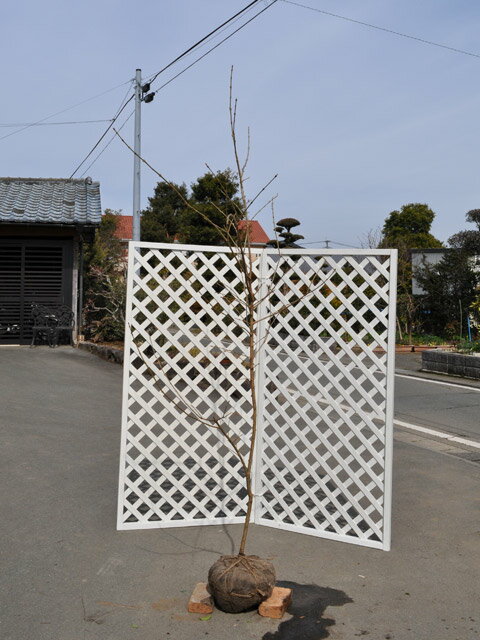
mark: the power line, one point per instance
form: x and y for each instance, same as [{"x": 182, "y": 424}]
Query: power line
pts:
[
  {"x": 108, "y": 144},
  {"x": 189, "y": 50},
  {"x": 207, "y": 39},
  {"x": 374, "y": 26},
  {"x": 216, "y": 46},
  {"x": 342, "y": 244},
  {"x": 49, "y": 124},
  {"x": 186, "y": 52},
  {"x": 199, "y": 42},
  {"x": 57, "y": 113},
  {"x": 123, "y": 104}
]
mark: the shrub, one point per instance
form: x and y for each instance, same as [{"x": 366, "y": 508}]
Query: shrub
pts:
[{"x": 105, "y": 283}]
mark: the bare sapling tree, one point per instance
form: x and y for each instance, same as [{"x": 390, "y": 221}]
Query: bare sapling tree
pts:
[{"x": 238, "y": 582}]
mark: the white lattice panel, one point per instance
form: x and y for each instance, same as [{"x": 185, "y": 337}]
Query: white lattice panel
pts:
[{"x": 324, "y": 369}]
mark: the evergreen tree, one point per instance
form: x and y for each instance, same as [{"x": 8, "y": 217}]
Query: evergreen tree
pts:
[
  {"x": 468, "y": 240},
  {"x": 410, "y": 228},
  {"x": 404, "y": 230},
  {"x": 214, "y": 195},
  {"x": 450, "y": 288},
  {"x": 168, "y": 216},
  {"x": 162, "y": 220}
]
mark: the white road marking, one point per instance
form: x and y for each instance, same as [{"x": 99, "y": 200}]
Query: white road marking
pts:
[
  {"x": 403, "y": 375},
  {"x": 447, "y": 384},
  {"x": 438, "y": 434},
  {"x": 449, "y": 437}
]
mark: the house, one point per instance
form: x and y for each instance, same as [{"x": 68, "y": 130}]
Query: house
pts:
[
  {"x": 43, "y": 225},
  {"x": 124, "y": 230},
  {"x": 258, "y": 237},
  {"x": 424, "y": 258}
]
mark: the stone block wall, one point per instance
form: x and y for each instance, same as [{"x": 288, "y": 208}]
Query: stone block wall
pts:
[{"x": 457, "y": 364}]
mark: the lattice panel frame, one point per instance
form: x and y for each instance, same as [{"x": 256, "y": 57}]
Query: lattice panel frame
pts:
[{"x": 324, "y": 373}]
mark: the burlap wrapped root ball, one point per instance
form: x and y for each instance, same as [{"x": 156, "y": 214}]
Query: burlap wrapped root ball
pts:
[{"x": 238, "y": 583}]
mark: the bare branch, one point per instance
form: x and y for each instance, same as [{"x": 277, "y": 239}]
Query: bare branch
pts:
[
  {"x": 247, "y": 155},
  {"x": 262, "y": 190},
  {"x": 186, "y": 202},
  {"x": 233, "y": 117}
]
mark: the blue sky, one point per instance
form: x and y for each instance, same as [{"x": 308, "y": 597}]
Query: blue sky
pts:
[{"x": 355, "y": 121}]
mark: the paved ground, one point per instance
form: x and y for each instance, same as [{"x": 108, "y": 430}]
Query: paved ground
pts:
[
  {"x": 67, "y": 574},
  {"x": 449, "y": 408}
]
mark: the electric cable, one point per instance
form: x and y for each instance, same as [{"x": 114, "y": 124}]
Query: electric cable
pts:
[
  {"x": 208, "y": 39},
  {"x": 123, "y": 104},
  {"x": 177, "y": 75},
  {"x": 215, "y": 47},
  {"x": 374, "y": 26},
  {"x": 342, "y": 244},
  {"x": 57, "y": 113},
  {"x": 49, "y": 124},
  {"x": 107, "y": 144},
  {"x": 190, "y": 49},
  {"x": 199, "y": 42}
]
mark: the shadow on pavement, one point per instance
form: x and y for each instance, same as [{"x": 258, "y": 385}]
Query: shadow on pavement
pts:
[{"x": 309, "y": 602}]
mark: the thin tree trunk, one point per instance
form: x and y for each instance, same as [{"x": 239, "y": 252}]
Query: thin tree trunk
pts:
[
  {"x": 400, "y": 335},
  {"x": 253, "y": 395}
]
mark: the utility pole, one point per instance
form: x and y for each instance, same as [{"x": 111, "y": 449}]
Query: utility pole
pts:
[
  {"x": 136, "y": 157},
  {"x": 141, "y": 95},
  {"x": 327, "y": 244}
]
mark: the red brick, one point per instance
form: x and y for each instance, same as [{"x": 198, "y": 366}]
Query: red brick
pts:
[
  {"x": 276, "y": 605},
  {"x": 200, "y": 601}
]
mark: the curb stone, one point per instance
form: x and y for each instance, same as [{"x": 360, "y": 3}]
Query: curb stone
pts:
[{"x": 112, "y": 354}]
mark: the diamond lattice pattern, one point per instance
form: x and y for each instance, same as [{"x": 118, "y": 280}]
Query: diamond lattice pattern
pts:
[
  {"x": 322, "y": 368},
  {"x": 324, "y": 433}
]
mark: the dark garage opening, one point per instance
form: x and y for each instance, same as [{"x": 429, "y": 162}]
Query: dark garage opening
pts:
[{"x": 31, "y": 271}]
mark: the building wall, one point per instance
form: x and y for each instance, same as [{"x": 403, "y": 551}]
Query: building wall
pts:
[{"x": 422, "y": 258}]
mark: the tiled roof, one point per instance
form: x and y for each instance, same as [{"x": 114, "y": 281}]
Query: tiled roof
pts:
[
  {"x": 257, "y": 232},
  {"x": 124, "y": 229},
  {"x": 49, "y": 201}
]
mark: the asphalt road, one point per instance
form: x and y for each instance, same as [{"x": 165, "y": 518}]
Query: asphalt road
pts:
[
  {"x": 450, "y": 405},
  {"x": 67, "y": 574},
  {"x": 444, "y": 406}
]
